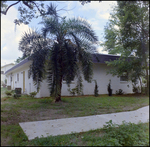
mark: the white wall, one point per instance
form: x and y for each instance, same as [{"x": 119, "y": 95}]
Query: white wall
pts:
[
  {"x": 5, "y": 68},
  {"x": 102, "y": 79},
  {"x": 99, "y": 75},
  {"x": 29, "y": 85}
]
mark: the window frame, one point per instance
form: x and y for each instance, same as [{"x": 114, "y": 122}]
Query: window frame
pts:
[{"x": 124, "y": 77}]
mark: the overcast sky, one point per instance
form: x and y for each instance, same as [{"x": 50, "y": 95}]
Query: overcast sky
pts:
[{"x": 96, "y": 13}]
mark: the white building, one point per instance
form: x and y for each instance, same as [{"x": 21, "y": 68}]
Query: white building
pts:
[
  {"x": 3, "y": 70},
  {"x": 18, "y": 77}
]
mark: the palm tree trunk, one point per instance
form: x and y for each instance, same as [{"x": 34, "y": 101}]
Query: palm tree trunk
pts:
[{"x": 58, "y": 98}]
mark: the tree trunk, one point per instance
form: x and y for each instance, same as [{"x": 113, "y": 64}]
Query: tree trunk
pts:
[{"x": 58, "y": 98}]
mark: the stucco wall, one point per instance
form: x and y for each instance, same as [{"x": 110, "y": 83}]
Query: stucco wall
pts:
[
  {"x": 102, "y": 79},
  {"x": 5, "y": 68},
  {"x": 99, "y": 75},
  {"x": 29, "y": 85}
]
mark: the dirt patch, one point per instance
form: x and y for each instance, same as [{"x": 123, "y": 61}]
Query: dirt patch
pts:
[
  {"x": 35, "y": 115},
  {"x": 30, "y": 115},
  {"x": 4, "y": 141}
]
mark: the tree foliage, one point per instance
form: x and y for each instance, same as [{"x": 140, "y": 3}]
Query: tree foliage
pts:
[
  {"x": 85, "y": 2},
  {"x": 60, "y": 51},
  {"x": 127, "y": 33},
  {"x": 29, "y": 10}
]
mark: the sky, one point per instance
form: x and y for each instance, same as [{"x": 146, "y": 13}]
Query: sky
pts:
[{"x": 96, "y": 13}]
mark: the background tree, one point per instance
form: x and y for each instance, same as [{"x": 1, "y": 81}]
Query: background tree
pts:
[
  {"x": 19, "y": 59},
  {"x": 28, "y": 10},
  {"x": 60, "y": 52},
  {"x": 85, "y": 2},
  {"x": 127, "y": 33}
]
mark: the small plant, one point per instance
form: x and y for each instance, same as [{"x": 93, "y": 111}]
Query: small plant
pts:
[
  {"x": 4, "y": 85},
  {"x": 8, "y": 93},
  {"x": 33, "y": 94},
  {"x": 96, "y": 89},
  {"x": 136, "y": 89},
  {"x": 109, "y": 88},
  {"x": 78, "y": 89},
  {"x": 73, "y": 91},
  {"x": 5, "y": 81},
  {"x": 119, "y": 92},
  {"x": 15, "y": 96}
]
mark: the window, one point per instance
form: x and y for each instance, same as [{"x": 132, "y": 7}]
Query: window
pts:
[
  {"x": 124, "y": 77},
  {"x": 11, "y": 79},
  {"x": 18, "y": 77},
  {"x": 2, "y": 72}
]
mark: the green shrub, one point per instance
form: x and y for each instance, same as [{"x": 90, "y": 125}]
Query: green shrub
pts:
[
  {"x": 8, "y": 93},
  {"x": 109, "y": 88},
  {"x": 136, "y": 89},
  {"x": 73, "y": 91},
  {"x": 96, "y": 89},
  {"x": 15, "y": 96},
  {"x": 126, "y": 134},
  {"x": 33, "y": 94},
  {"x": 12, "y": 91},
  {"x": 119, "y": 92}
]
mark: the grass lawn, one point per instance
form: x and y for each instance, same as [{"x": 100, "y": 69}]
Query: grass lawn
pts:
[{"x": 26, "y": 109}]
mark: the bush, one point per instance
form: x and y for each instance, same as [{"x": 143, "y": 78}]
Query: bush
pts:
[
  {"x": 8, "y": 93},
  {"x": 4, "y": 85},
  {"x": 119, "y": 92},
  {"x": 73, "y": 91},
  {"x": 109, "y": 88},
  {"x": 126, "y": 134},
  {"x": 78, "y": 90},
  {"x": 33, "y": 94},
  {"x": 16, "y": 96},
  {"x": 136, "y": 89},
  {"x": 96, "y": 89}
]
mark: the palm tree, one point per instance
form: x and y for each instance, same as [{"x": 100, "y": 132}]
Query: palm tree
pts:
[{"x": 61, "y": 51}]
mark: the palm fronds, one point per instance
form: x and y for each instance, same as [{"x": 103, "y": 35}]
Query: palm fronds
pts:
[{"x": 62, "y": 51}]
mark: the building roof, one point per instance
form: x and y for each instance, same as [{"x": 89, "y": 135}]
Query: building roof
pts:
[
  {"x": 7, "y": 65},
  {"x": 18, "y": 65},
  {"x": 101, "y": 58},
  {"x": 97, "y": 58}
]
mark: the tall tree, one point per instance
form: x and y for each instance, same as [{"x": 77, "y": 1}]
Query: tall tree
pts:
[
  {"x": 127, "y": 33},
  {"x": 60, "y": 52},
  {"x": 28, "y": 10}
]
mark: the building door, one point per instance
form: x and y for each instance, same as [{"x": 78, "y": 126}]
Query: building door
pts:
[{"x": 23, "y": 81}]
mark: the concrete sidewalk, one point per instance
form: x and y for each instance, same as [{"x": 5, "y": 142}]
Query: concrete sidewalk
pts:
[{"x": 81, "y": 124}]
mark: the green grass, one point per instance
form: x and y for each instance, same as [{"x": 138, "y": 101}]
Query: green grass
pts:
[
  {"x": 127, "y": 134},
  {"x": 27, "y": 109},
  {"x": 3, "y": 89}
]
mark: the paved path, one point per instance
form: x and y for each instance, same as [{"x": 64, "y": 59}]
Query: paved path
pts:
[{"x": 81, "y": 124}]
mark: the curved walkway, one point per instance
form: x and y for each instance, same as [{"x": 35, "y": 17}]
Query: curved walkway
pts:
[{"x": 81, "y": 124}]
